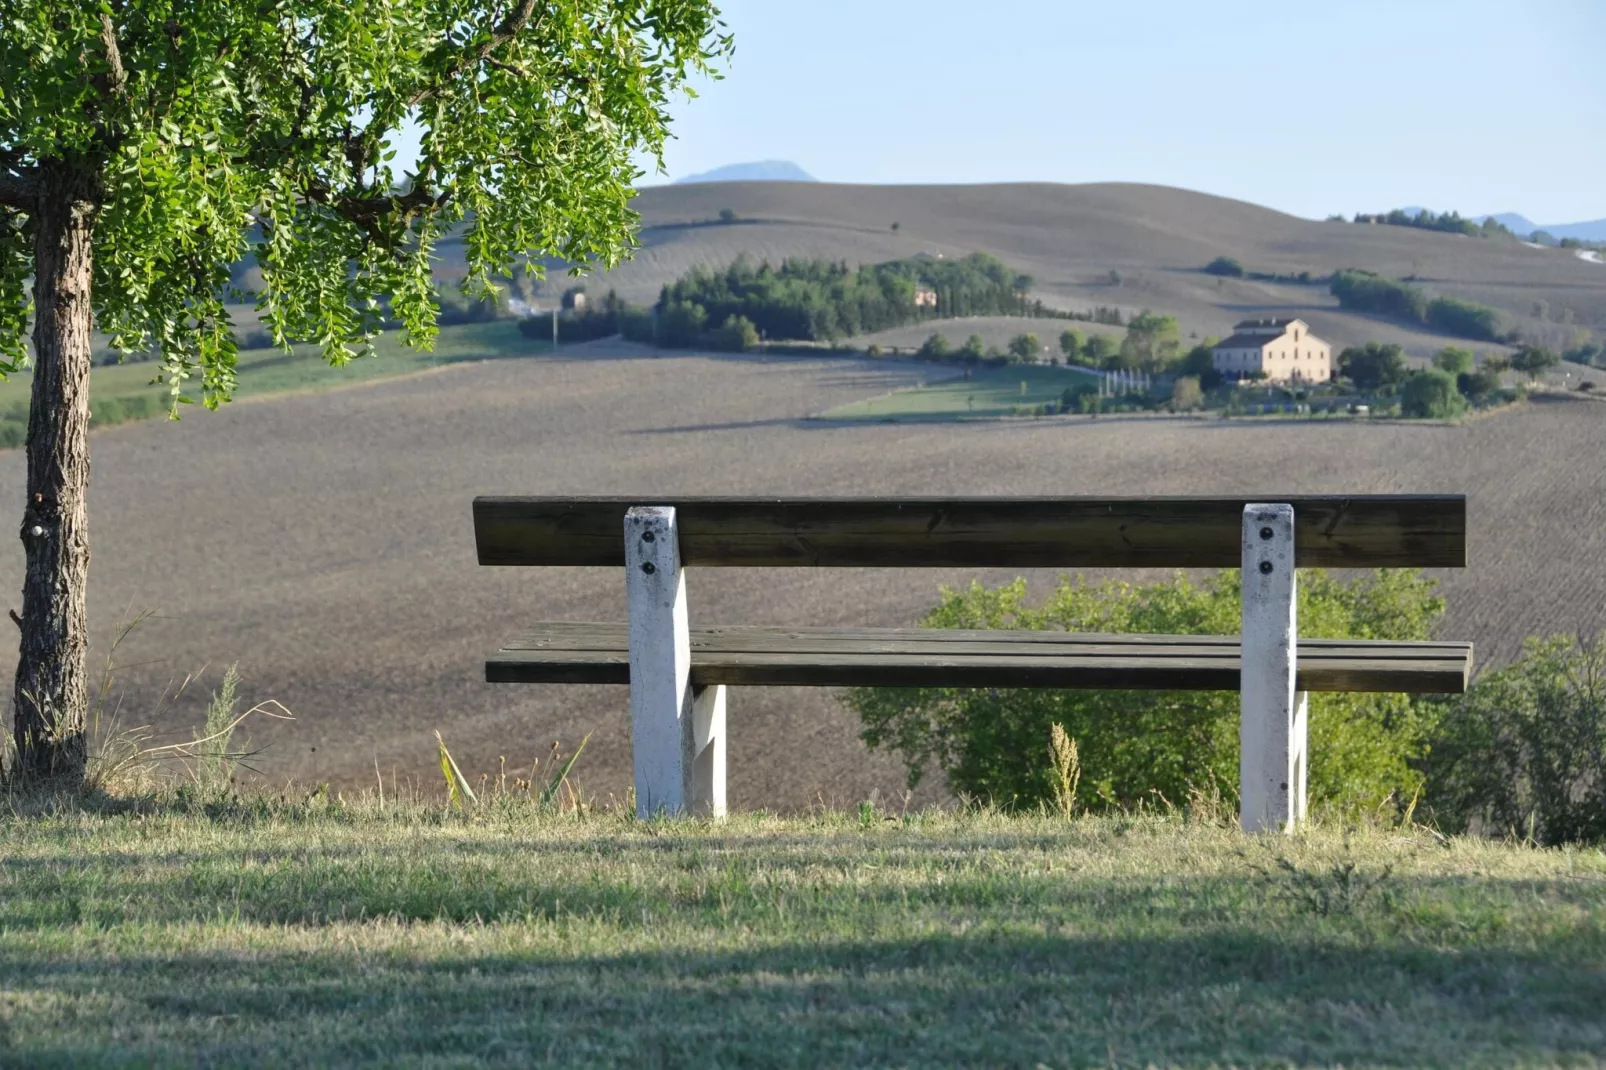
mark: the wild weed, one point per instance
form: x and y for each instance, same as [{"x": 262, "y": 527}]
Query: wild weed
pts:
[
  {"x": 556, "y": 792},
  {"x": 1339, "y": 889},
  {"x": 1067, "y": 769}
]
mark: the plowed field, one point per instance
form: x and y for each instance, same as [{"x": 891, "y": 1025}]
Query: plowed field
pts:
[{"x": 324, "y": 542}]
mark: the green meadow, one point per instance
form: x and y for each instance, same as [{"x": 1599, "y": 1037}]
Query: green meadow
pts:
[
  {"x": 122, "y": 392},
  {"x": 987, "y": 393},
  {"x": 323, "y": 931}
]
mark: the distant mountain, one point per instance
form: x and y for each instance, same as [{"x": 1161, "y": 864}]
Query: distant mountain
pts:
[
  {"x": 761, "y": 171},
  {"x": 1522, "y": 226},
  {"x": 1515, "y": 222},
  {"x": 1592, "y": 230}
]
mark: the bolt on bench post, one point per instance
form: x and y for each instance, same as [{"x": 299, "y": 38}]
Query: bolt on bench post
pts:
[
  {"x": 1272, "y": 724},
  {"x": 677, "y": 731}
]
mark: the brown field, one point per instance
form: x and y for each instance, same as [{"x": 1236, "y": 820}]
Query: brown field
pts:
[
  {"x": 1069, "y": 238},
  {"x": 324, "y": 541}
]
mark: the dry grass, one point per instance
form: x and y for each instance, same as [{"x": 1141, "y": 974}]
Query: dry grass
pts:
[
  {"x": 324, "y": 542},
  {"x": 331, "y": 932}
]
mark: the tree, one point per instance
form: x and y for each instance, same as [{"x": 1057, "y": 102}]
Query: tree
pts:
[
  {"x": 1099, "y": 350},
  {"x": 146, "y": 146},
  {"x": 1201, "y": 364},
  {"x": 934, "y": 348},
  {"x": 973, "y": 349},
  {"x": 737, "y": 335},
  {"x": 1071, "y": 343},
  {"x": 1480, "y": 386},
  {"x": 1533, "y": 359},
  {"x": 727, "y": 215},
  {"x": 1225, "y": 266},
  {"x": 1431, "y": 394},
  {"x": 1454, "y": 359},
  {"x": 1373, "y": 366},
  {"x": 1152, "y": 341},
  {"x": 1025, "y": 347}
]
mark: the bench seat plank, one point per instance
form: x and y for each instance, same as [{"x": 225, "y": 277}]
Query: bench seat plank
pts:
[
  {"x": 566, "y": 652},
  {"x": 1332, "y": 531}
]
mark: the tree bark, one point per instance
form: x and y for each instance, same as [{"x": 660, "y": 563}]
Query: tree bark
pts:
[{"x": 51, "y": 700}]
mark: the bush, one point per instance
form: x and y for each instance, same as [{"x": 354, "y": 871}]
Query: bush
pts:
[
  {"x": 1431, "y": 394},
  {"x": 1100, "y": 349},
  {"x": 458, "y": 308},
  {"x": 736, "y": 335},
  {"x": 934, "y": 348},
  {"x": 681, "y": 323},
  {"x": 1454, "y": 359},
  {"x": 990, "y": 744},
  {"x": 1464, "y": 319},
  {"x": 1373, "y": 366},
  {"x": 1366, "y": 291},
  {"x": 1186, "y": 394},
  {"x": 1524, "y": 751},
  {"x": 1025, "y": 347},
  {"x": 1071, "y": 343},
  {"x": 637, "y": 325},
  {"x": 1533, "y": 359},
  {"x": 1479, "y": 387},
  {"x": 1225, "y": 266},
  {"x": 1074, "y": 398}
]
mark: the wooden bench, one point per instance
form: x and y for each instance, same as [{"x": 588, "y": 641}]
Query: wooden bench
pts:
[{"x": 678, "y": 675}]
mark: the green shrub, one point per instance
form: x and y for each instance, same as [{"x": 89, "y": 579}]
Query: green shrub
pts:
[
  {"x": 736, "y": 335},
  {"x": 12, "y": 433},
  {"x": 1479, "y": 387},
  {"x": 1431, "y": 394},
  {"x": 1367, "y": 291},
  {"x": 1464, "y": 319},
  {"x": 935, "y": 348},
  {"x": 990, "y": 744},
  {"x": 1225, "y": 266},
  {"x": 1524, "y": 751}
]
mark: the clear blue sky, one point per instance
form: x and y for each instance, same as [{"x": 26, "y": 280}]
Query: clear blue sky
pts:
[{"x": 1313, "y": 108}]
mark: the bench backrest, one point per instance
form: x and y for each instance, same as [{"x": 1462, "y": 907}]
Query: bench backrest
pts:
[{"x": 1356, "y": 531}]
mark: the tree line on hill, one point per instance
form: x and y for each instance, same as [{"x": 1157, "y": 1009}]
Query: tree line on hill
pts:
[
  {"x": 1367, "y": 291},
  {"x": 1447, "y": 222},
  {"x": 815, "y": 301}
]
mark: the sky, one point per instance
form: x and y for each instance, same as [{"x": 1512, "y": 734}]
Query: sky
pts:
[{"x": 1309, "y": 107}]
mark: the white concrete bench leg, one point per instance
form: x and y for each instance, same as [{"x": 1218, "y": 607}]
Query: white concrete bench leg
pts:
[
  {"x": 677, "y": 732},
  {"x": 1272, "y": 725}
]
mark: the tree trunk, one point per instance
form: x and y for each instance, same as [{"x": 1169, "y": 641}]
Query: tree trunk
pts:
[{"x": 50, "y": 704}]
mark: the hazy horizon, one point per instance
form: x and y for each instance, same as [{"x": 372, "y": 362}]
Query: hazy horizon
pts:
[{"x": 1473, "y": 106}]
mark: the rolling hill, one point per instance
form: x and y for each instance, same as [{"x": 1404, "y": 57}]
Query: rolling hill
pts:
[{"x": 1128, "y": 245}]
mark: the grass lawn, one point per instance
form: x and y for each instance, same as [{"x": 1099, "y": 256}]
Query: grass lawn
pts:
[
  {"x": 987, "y": 394},
  {"x": 355, "y": 934},
  {"x": 270, "y": 371}
]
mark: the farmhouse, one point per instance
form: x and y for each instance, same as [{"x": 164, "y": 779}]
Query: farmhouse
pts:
[
  {"x": 1282, "y": 350},
  {"x": 925, "y": 297}
]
